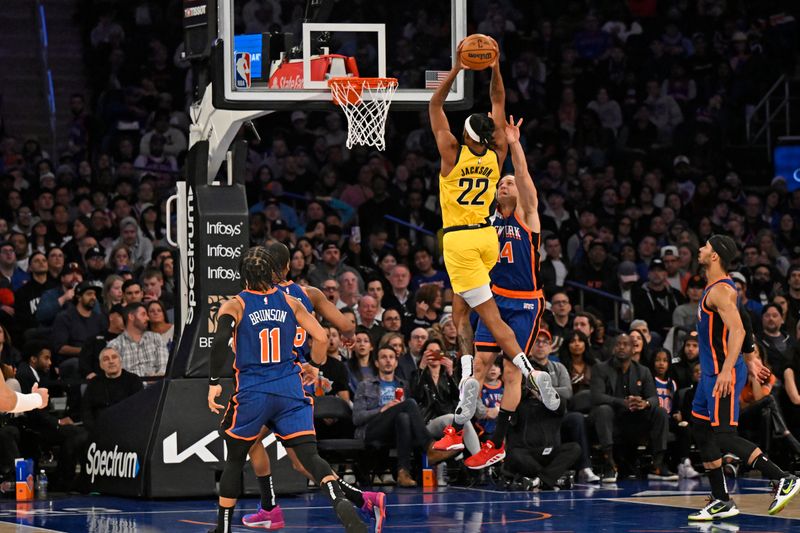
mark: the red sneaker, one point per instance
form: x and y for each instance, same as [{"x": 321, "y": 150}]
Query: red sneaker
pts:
[
  {"x": 488, "y": 456},
  {"x": 451, "y": 441}
]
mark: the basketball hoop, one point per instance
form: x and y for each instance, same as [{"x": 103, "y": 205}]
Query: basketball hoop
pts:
[{"x": 366, "y": 117}]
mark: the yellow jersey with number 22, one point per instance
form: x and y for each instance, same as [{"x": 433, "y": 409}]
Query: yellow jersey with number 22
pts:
[{"x": 467, "y": 191}]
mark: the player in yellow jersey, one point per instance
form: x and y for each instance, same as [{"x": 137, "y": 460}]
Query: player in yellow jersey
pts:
[{"x": 467, "y": 184}]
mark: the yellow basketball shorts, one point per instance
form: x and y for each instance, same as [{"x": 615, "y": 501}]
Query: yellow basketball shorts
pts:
[{"x": 469, "y": 255}]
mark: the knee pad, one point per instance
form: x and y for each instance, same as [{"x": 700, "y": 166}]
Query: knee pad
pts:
[
  {"x": 477, "y": 296},
  {"x": 706, "y": 442},
  {"x": 230, "y": 484},
  {"x": 311, "y": 461}
]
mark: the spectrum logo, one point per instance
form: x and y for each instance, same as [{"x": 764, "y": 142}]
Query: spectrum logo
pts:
[{"x": 111, "y": 463}]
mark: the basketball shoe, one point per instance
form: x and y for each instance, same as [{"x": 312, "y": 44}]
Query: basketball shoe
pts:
[
  {"x": 488, "y": 456},
  {"x": 265, "y": 519},
  {"x": 451, "y": 441}
]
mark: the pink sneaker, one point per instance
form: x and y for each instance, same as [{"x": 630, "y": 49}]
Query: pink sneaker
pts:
[
  {"x": 375, "y": 507},
  {"x": 265, "y": 519}
]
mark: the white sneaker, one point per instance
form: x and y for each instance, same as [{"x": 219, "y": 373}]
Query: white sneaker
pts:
[
  {"x": 587, "y": 475},
  {"x": 541, "y": 383},
  {"x": 388, "y": 479},
  {"x": 686, "y": 470}
]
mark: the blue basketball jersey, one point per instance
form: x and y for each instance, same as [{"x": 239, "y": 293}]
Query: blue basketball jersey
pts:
[
  {"x": 515, "y": 274},
  {"x": 301, "y": 338},
  {"x": 264, "y": 344},
  {"x": 712, "y": 334}
]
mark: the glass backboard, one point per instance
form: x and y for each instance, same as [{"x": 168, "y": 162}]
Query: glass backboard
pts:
[{"x": 279, "y": 55}]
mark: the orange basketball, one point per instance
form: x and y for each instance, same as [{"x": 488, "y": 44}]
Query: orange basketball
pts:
[{"x": 478, "y": 52}]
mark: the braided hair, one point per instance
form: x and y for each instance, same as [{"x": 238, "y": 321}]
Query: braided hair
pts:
[
  {"x": 257, "y": 269},
  {"x": 483, "y": 127}
]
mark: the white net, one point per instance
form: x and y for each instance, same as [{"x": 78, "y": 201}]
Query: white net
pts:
[{"x": 365, "y": 102}]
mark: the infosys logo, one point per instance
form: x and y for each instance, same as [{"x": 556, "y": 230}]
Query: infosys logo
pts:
[
  {"x": 113, "y": 463},
  {"x": 225, "y": 252},
  {"x": 220, "y": 228},
  {"x": 223, "y": 273}
]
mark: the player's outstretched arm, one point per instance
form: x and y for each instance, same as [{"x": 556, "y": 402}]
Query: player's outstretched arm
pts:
[
  {"x": 497, "y": 95},
  {"x": 16, "y": 402},
  {"x": 229, "y": 314},
  {"x": 307, "y": 321},
  {"x": 528, "y": 199},
  {"x": 723, "y": 300},
  {"x": 446, "y": 142},
  {"x": 329, "y": 311}
]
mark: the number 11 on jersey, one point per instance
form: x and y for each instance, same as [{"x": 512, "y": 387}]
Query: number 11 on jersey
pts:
[{"x": 270, "y": 345}]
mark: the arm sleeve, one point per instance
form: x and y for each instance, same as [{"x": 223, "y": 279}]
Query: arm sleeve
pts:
[
  {"x": 749, "y": 343},
  {"x": 220, "y": 348}
]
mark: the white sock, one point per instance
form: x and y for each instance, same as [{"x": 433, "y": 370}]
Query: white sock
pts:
[
  {"x": 521, "y": 362},
  {"x": 466, "y": 365}
]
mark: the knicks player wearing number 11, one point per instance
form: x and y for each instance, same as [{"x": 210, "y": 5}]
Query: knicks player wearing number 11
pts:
[
  {"x": 467, "y": 182},
  {"x": 260, "y": 323}
]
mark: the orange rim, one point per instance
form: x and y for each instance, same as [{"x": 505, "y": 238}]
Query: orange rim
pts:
[{"x": 352, "y": 87}]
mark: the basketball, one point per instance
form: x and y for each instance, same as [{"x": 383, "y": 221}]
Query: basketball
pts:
[{"x": 478, "y": 51}]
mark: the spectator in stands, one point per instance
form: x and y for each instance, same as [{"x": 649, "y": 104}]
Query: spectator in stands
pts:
[
  {"x": 793, "y": 296},
  {"x": 626, "y": 408},
  {"x": 558, "y": 319},
  {"x": 491, "y": 396},
  {"x": 655, "y": 301},
  {"x": 329, "y": 266},
  {"x": 685, "y": 315},
  {"x": 56, "y": 299},
  {"x": 641, "y": 352},
  {"x": 427, "y": 308},
  {"x": 96, "y": 269},
  {"x": 109, "y": 387},
  {"x": 332, "y": 380},
  {"x": 576, "y": 356},
  {"x": 410, "y": 361},
  {"x": 153, "y": 288},
  {"x": 746, "y": 305},
  {"x": 89, "y": 362},
  {"x": 598, "y": 271},
  {"x": 366, "y": 316},
  {"x": 132, "y": 292},
  {"x": 361, "y": 363},
  {"x": 381, "y": 414},
  {"x": 426, "y": 273},
  {"x": 400, "y": 297},
  {"x": 139, "y": 246},
  {"x": 392, "y": 321},
  {"x": 778, "y": 344},
  {"x": 682, "y": 370},
  {"x": 349, "y": 290},
  {"x": 9, "y": 270},
  {"x": 73, "y": 326},
  {"x": 52, "y": 431},
  {"x": 553, "y": 270},
  {"x": 27, "y": 298},
  {"x": 143, "y": 352},
  {"x": 375, "y": 289},
  {"x": 436, "y": 393},
  {"x": 158, "y": 322},
  {"x": 584, "y": 322},
  {"x": 112, "y": 292}
]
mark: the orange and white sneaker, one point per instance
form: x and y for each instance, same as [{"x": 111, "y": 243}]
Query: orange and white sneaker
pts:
[
  {"x": 452, "y": 441},
  {"x": 488, "y": 456}
]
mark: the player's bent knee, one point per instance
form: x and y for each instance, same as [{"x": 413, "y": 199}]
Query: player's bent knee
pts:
[
  {"x": 310, "y": 459},
  {"x": 477, "y": 296}
]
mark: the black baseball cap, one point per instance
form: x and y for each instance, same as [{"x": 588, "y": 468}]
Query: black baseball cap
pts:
[
  {"x": 657, "y": 263},
  {"x": 86, "y": 286},
  {"x": 329, "y": 244},
  {"x": 97, "y": 251}
]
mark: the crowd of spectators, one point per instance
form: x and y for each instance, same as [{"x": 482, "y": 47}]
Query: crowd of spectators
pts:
[{"x": 628, "y": 108}]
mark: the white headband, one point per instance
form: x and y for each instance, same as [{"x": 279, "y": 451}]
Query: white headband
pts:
[{"x": 471, "y": 132}]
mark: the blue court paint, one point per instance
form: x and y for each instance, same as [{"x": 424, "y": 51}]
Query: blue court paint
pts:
[{"x": 585, "y": 508}]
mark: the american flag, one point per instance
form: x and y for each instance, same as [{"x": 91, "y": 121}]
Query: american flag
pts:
[{"x": 434, "y": 78}]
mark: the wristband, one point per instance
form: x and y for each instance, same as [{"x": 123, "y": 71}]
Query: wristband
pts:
[
  {"x": 26, "y": 402},
  {"x": 213, "y": 381}
]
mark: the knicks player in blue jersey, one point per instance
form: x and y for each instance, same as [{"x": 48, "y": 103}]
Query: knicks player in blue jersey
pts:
[
  {"x": 517, "y": 291},
  {"x": 261, "y": 322},
  {"x": 269, "y": 515},
  {"x": 723, "y": 374}
]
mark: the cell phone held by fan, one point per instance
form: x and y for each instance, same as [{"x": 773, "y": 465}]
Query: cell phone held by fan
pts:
[{"x": 355, "y": 234}]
